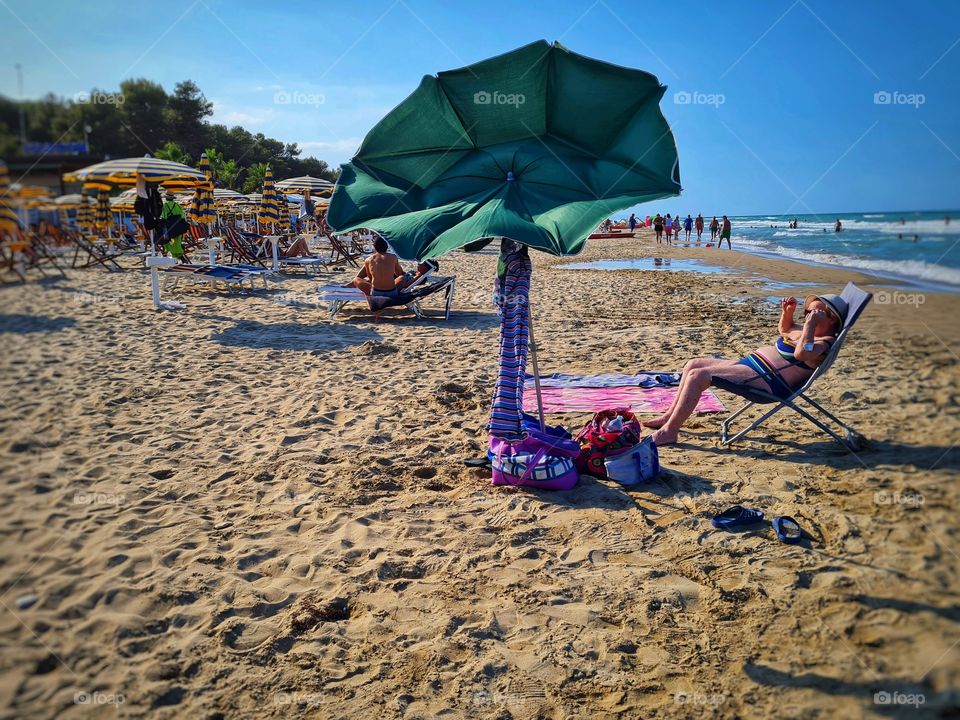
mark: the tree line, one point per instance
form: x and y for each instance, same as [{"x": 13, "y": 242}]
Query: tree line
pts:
[{"x": 141, "y": 117}]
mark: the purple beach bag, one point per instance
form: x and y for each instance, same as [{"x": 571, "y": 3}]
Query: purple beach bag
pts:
[{"x": 539, "y": 460}]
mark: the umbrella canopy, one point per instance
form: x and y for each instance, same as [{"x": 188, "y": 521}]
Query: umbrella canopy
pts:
[
  {"x": 9, "y": 224},
  {"x": 125, "y": 171},
  {"x": 539, "y": 145},
  {"x": 225, "y": 194},
  {"x": 202, "y": 211},
  {"x": 317, "y": 186},
  {"x": 73, "y": 201},
  {"x": 269, "y": 213}
]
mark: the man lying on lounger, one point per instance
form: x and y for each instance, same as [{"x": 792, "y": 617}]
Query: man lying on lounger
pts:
[{"x": 777, "y": 369}]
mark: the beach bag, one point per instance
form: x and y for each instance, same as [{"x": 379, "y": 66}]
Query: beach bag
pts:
[
  {"x": 542, "y": 459},
  {"x": 638, "y": 464},
  {"x": 175, "y": 226},
  {"x": 597, "y": 443}
]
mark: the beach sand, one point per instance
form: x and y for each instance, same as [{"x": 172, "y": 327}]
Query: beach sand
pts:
[{"x": 242, "y": 509}]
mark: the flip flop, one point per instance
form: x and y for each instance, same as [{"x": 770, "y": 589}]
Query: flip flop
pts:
[
  {"x": 788, "y": 530},
  {"x": 477, "y": 462},
  {"x": 737, "y": 516}
]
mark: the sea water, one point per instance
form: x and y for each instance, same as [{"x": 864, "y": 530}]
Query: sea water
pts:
[{"x": 916, "y": 247}]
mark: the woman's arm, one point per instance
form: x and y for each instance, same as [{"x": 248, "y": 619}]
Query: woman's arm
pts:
[
  {"x": 807, "y": 338},
  {"x": 788, "y": 307}
]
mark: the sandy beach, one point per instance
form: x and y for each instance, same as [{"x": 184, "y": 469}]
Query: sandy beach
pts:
[{"x": 242, "y": 509}]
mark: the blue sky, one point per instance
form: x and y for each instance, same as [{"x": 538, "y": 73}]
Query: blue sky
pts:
[{"x": 783, "y": 115}]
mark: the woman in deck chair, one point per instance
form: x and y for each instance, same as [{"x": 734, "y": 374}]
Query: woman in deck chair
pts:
[{"x": 777, "y": 369}]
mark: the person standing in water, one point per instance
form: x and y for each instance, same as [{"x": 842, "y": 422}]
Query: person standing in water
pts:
[
  {"x": 714, "y": 228},
  {"x": 688, "y": 225},
  {"x": 658, "y": 227},
  {"x": 725, "y": 233},
  {"x": 838, "y": 227},
  {"x": 698, "y": 224}
]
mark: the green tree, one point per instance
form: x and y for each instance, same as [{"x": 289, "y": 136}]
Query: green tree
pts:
[
  {"x": 172, "y": 151},
  {"x": 186, "y": 109},
  {"x": 143, "y": 115},
  {"x": 254, "y": 179}
]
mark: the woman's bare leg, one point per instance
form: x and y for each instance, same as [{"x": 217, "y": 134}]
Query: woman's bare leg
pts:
[
  {"x": 661, "y": 420},
  {"x": 698, "y": 380}
]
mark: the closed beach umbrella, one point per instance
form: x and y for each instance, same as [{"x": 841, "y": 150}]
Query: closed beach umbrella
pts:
[
  {"x": 85, "y": 213},
  {"x": 9, "y": 225},
  {"x": 269, "y": 213},
  {"x": 202, "y": 210},
  {"x": 538, "y": 145},
  {"x": 103, "y": 219},
  {"x": 125, "y": 171},
  {"x": 316, "y": 186}
]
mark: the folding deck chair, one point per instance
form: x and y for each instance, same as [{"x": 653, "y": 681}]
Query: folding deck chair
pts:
[
  {"x": 857, "y": 301},
  {"x": 410, "y": 296},
  {"x": 341, "y": 249}
]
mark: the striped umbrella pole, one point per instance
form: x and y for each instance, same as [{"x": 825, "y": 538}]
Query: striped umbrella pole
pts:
[
  {"x": 269, "y": 207},
  {"x": 202, "y": 210},
  {"x": 103, "y": 219},
  {"x": 512, "y": 293},
  {"x": 9, "y": 224}
]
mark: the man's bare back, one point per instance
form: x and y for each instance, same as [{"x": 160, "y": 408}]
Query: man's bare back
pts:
[{"x": 383, "y": 270}]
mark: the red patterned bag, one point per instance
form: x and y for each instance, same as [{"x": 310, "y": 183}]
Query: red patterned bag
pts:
[{"x": 597, "y": 442}]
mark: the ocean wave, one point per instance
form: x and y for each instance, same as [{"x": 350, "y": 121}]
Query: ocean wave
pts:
[
  {"x": 889, "y": 269},
  {"x": 917, "y": 227}
]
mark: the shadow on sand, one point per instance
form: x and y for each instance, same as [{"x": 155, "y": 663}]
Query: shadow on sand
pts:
[{"x": 27, "y": 324}]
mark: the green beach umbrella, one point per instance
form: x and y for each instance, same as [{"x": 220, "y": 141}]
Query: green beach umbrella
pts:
[
  {"x": 202, "y": 210},
  {"x": 539, "y": 145},
  {"x": 269, "y": 213}
]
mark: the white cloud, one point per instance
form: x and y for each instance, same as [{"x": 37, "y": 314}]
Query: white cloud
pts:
[{"x": 334, "y": 152}]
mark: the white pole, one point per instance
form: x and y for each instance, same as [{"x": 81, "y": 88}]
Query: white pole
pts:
[{"x": 532, "y": 343}]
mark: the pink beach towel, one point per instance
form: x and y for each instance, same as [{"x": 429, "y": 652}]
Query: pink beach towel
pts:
[{"x": 639, "y": 400}]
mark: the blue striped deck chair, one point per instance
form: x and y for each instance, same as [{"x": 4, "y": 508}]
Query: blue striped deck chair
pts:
[{"x": 857, "y": 301}]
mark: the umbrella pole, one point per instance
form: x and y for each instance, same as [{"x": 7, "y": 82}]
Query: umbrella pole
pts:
[{"x": 532, "y": 344}]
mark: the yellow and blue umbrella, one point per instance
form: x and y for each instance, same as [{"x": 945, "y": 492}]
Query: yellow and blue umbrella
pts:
[
  {"x": 103, "y": 219},
  {"x": 316, "y": 186},
  {"x": 202, "y": 210},
  {"x": 9, "y": 224},
  {"x": 125, "y": 171},
  {"x": 269, "y": 213}
]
